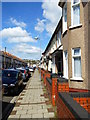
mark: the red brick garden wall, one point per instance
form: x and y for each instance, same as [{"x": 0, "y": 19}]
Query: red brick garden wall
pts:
[
  {"x": 62, "y": 110},
  {"x": 54, "y": 90},
  {"x": 63, "y": 87},
  {"x": 46, "y": 74},
  {"x": 49, "y": 89},
  {"x": 84, "y": 102}
]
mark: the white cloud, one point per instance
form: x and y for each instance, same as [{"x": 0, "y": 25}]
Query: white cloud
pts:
[
  {"x": 52, "y": 14},
  {"x": 16, "y": 35},
  {"x": 15, "y": 22},
  {"x": 40, "y": 25},
  {"x": 0, "y": 47},
  {"x": 13, "y": 32},
  {"x": 20, "y": 39},
  {"x": 27, "y": 51},
  {"x": 26, "y": 48}
]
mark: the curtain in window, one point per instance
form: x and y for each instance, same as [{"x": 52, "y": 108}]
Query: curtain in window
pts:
[
  {"x": 76, "y": 15},
  {"x": 77, "y": 67}
]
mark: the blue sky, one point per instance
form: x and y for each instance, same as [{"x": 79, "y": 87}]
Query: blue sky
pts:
[{"x": 22, "y": 21}]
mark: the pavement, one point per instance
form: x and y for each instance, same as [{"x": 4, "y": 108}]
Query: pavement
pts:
[
  {"x": 8, "y": 102},
  {"x": 33, "y": 101}
]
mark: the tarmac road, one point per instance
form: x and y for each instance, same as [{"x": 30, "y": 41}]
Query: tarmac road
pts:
[{"x": 8, "y": 102}]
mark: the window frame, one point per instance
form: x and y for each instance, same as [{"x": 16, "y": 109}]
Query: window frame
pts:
[
  {"x": 64, "y": 58},
  {"x": 76, "y": 56},
  {"x": 58, "y": 38},
  {"x": 63, "y": 18},
  {"x": 72, "y": 6}
]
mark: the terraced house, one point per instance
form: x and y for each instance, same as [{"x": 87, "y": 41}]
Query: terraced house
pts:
[
  {"x": 69, "y": 45},
  {"x": 8, "y": 60},
  {"x": 53, "y": 52}
]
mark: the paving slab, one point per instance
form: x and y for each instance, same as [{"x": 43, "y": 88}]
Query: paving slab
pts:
[{"x": 32, "y": 102}]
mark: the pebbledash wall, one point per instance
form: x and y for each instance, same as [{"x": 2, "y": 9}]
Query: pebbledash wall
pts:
[
  {"x": 88, "y": 45},
  {"x": 77, "y": 37}
]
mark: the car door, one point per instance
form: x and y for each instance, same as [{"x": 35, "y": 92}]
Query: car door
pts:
[{"x": 20, "y": 81}]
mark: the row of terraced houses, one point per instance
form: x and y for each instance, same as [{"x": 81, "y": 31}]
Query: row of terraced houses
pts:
[
  {"x": 67, "y": 53},
  {"x": 8, "y": 60}
]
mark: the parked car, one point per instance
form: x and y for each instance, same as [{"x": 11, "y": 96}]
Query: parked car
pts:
[
  {"x": 1, "y": 87},
  {"x": 11, "y": 80},
  {"x": 28, "y": 73},
  {"x": 31, "y": 69},
  {"x": 23, "y": 73}
]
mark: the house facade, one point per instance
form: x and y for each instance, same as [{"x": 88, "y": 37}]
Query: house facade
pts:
[
  {"x": 75, "y": 43},
  {"x": 70, "y": 56},
  {"x": 8, "y": 60},
  {"x": 51, "y": 57}
]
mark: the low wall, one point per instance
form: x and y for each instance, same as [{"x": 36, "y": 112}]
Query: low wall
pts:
[
  {"x": 78, "y": 90},
  {"x": 49, "y": 87},
  {"x": 46, "y": 74},
  {"x": 63, "y": 85},
  {"x": 69, "y": 108},
  {"x": 83, "y": 99}
]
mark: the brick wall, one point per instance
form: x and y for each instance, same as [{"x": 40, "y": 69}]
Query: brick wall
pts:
[
  {"x": 78, "y": 90},
  {"x": 63, "y": 87},
  {"x": 84, "y": 102},
  {"x": 83, "y": 99},
  {"x": 46, "y": 74},
  {"x": 54, "y": 90},
  {"x": 49, "y": 87},
  {"x": 62, "y": 110},
  {"x": 69, "y": 108}
]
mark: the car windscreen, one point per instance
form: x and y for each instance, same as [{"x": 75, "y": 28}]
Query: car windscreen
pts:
[{"x": 10, "y": 74}]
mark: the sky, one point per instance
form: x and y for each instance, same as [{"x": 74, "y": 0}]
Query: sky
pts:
[{"x": 23, "y": 21}]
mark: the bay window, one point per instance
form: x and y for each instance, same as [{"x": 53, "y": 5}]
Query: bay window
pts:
[
  {"x": 76, "y": 62},
  {"x": 75, "y": 12}
]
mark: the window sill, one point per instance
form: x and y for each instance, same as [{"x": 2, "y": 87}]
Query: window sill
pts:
[
  {"x": 65, "y": 77},
  {"x": 76, "y": 79},
  {"x": 64, "y": 32},
  {"x": 75, "y": 26}
]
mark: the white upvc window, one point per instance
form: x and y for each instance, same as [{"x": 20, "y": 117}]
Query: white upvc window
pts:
[
  {"x": 59, "y": 38},
  {"x": 65, "y": 17},
  {"x": 76, "y": 63},
  {"x": 75, "y": 12},
  {"x": 53, "y": 64},
  {"x": 65, "y": 55}
]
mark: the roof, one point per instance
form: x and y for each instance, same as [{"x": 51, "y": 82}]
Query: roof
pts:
[
  {"x": 12, "y": 56},
  {"x": 57, "y": 28},
  {"x": 57, "y": 50}
]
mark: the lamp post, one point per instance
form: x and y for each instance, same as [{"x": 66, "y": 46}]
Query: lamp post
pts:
[{"x": 37, "y": 38}]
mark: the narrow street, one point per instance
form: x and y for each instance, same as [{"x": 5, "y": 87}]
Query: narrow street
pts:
[
  {"x": 32, "y": 102},
  {"x": 8, "y": 102}
]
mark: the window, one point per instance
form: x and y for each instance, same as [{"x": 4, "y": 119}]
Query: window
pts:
[
  {"x": 59, "y": 38},
  {"x": 65, "y": 17},
  {"x": 76, "y": 62},
  {"x": 65, "y": 64},
  {"x": 75, "y": 10},
  {"x": 53, "y": 64}
]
